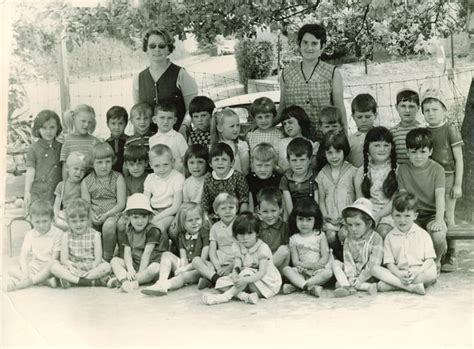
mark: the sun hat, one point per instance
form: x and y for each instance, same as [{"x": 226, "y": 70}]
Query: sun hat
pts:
[
  {"x": 138, "y": 201},
  {"x": 434, "y": 94},
  {"x": 364, "y": 205}
]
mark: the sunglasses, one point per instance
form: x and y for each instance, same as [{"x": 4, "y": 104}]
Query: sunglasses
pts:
[{"x": 160, "y": 45}]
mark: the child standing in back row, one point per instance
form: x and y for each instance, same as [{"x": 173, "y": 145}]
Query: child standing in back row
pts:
[
  {"x": 263, "y": 111},
  {"x": 329, "y": 121},
  {"x": 201, "y": 109},
  {"x": 117, "y": 118}
]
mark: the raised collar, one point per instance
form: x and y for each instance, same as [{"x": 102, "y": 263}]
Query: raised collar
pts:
[
  {"x": 276, "y": 225},
  {"x": 170, "y": 133},
  {"x": 188, "y": 236},
  {"x": 253, "y": 249},
  {"x": 214, "y": 175},
  {"x": 45, "y": 144},
  {"x": 289, "y": 175},
  {"x": 123, "y": 137}
]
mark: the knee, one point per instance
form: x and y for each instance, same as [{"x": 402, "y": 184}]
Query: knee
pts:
[
  {"x": 284, "y": 251},
  {"x": 115, "y": 261},
  {"x": 197, "y": 261},
  {"x": 331, "y": 237},
  {"x": 110, "y": 225},
  {"x": 105, "y": 267},
  {"x": 55, "y": 267}
]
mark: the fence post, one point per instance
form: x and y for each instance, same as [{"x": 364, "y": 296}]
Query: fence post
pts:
[{"x": 63, "y": 70}]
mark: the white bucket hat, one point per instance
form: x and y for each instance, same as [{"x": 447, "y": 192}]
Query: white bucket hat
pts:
[
  {"x": 138, "y": 201},
  {"x": 364, "y": 205}
]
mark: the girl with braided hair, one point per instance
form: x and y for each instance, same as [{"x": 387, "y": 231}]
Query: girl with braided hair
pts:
[{"x": 376, "y": 180}]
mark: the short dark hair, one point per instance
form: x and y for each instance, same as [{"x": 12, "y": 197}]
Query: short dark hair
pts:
[
  {"x": 331, "y": 114},
  {"x": 41, "y": 207},
  {"x": 419, "y": 138},
  {"x": 43, "y": 117},
  {"x": 300, "y": 146},
  {"x": 201, "y": 104},
  {"x": 407, "y": 95},
  {"x": 315, "y": 29},
  {"x": 306, "y": 207},
  {"x": 363, "y": 103},
  {"x": 167, "y": 38},
  {"x": 196, "y": 151},
  {"x": 338, "y": 141},
  {"x": 142, "y": 107},
  {"x": 245, "y": 222},
  {"x": 262, "y": 105},
  {"x": 166, "y": 106},
  {"x": 117, "y": 112},
  {"x": 404, "y": 201},
  {"x": 270, "y": 194},
  {"x": 220, "y": 149},
  {"x": 300, "y": 115},
  {"x": 135, "y": 152}
]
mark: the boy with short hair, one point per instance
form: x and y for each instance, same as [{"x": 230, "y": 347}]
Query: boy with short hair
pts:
[
  {"x": 165, "y": 117},
  {"x": 224, "y": 178},
  {"x": 425, "y": 177},
  {"x": 408, "y": 251},
  {"x": 43, "y": 242},
  {"x": 117, "y": 118},
  {"x": 135, "y": 161},
  {"x": 330, "y": 120},
  {"x": 447, "y": 151},
  {"x": 408, "y": 103},
  {"x": 201, "y": 109},
  {"x": 263, "y": 111},
  {"x": 299, "y": 181},
  {"x": 263, "y": 175},
  {"x": 164, "y": 187},
  {"x": 273, "y": 231},
  {"x": 140, "y": 117},
  {"x": 364, "y": 113}
]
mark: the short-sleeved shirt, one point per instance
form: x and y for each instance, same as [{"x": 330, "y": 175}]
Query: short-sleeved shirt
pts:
[
  {"x": 222, "y": 235},
  {"x": 299, "y": 190},
  {"x": 193, "y": 244},
  {"x": 255, "y": 183},
  {"x": 234, "y": 184},
  {"x": 271, "y": 136},
  {"x": 135, "y": 184},
  {"x": 67, "y": 191},
  {"x": 174, "y": 140},
  {"x": 80, "y": 143},
  {"x": 445, "y": 138},
  {"x": 399, "y": 133},
  {"x": 409, "y": 249},
  {"x": 422, "y": 182},
  {"x": 45, "y": 159},
  {"x": 274, "y": 235},
  {"x": 356, "y": 142},
  {"x": 362, "y": 254},
  {"x": 193, "y": 188},
  {"x": 200, "y": 137},
  {"x": 42, "y": 246},
  {"x": 118, "y": 145},
  {"x": 161, "y": 190},
  {"x": 138, "y": 241}
]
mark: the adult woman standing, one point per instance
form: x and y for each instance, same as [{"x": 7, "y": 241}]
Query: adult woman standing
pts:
[
  {"x": 163, "y": 80},
  {"x": 311, "y": 83}
]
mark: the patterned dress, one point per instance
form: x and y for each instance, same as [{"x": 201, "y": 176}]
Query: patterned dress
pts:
[
  {"x": 81, "y": 253},
  {"x": 103, "y": 192},
  {"x": 309, "y": 251}
]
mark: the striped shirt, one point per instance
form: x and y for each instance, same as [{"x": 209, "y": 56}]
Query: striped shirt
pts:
[
  {"x": 80, "y": 143},
  {"x": 399, "y": 133},
  {"x": 362, "y": 254}
]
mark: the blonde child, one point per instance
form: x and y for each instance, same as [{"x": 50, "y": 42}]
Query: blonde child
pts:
[
  {"x": 220, "y": 242},
  {"x": 377, "y": 179},
  {"x": 447, "y": 151},
  {"x": 263, "y": 112},
  {"x": 225, "y": 128},
  {"x": 81, "y": 139},
  {"x": 196, "y": 164},
  {"x": 295, "y": 123},
  {"x": 43, "y": 169},
  {"x": 364, "y": 113},
  {"x": 335, "y": 186},
  {"x": 105, "y": 190},
  {"x": 81, "y": 262},
  {"x": 253, "y": 270},
  {"x": 193, "y": 242},
  {"x": 363, "y": 250},
  {"x": 43, "y": 242},
  {"x": 329, "y": 121},
  {"x": 165, "y": 118},
  {"x": 201, "y": 109},
  {"x": 310, "y": 254},
  {"x": 70, "y": 188},
  {"x": 144, "y": 246},
  {"x": 408, "y": 251}
]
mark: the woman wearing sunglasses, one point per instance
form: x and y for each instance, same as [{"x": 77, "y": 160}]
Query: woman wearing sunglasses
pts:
[{"x": 163, "y": 80}]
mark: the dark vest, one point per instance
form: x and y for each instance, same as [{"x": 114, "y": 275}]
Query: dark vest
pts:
[{"x": 164, "y": 89}]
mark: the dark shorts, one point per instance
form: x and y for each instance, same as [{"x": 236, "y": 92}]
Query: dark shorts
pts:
[{"x": 425, "y": 217}]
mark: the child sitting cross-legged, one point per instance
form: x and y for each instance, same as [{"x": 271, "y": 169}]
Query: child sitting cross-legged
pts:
[
  {"x": 144, "y": 245},
  {"x": 253, "y": 270},
  {"x": 81, "y": 262},
  {"x": 408, "y": 251},
  {"x": 43, "y": 242},
  {"x": 193, "y": 242},
  {"x": 310, "y": 254},
  {"x": 363, "y": 249}
]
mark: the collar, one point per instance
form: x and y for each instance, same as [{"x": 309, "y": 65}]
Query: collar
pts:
[
  {"x": 417, "y": 124},
  {"x": 148, "y": 133},
  {"x": 45, "y": 144},
  {"x": 170, "y": 133},
  {"x": 436, "y": 127},
  {"x": 196, "y": 130},
  {"x": 123, "y": 136},
  {"x": 253, "y": 249},
  {"x": 214, "y": 175},
  {"x": 396, "y": 231},
  {"x": 188, "y": 236},
  {"x": 276, "y": 225},
  {"x": 289, "y": 175}
]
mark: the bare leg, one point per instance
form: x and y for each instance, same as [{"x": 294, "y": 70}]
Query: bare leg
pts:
[
  {"x": 148, "y": 274},
  {"x": 203, "y": 267},
  {"x": 109, "y": 237},
  {"x": 450, "y": 210},
  {"x": 62, "y": 272},
  {"x": 439, "y": 242},
  {"x": 386, "y": 276},
  {"x": 281, "y": 257},
  {"x": 320, "y": 279},
  {"x": 118, "y": 268},
  {"x": 164, "y": 224},
  {"x": 338, "y": 270},
  {"x": 383, "y": 229},
  {"x": 98, "y": 272},
  {"x": 294, "y": 277}
]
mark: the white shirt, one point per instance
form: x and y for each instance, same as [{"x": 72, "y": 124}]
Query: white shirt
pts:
[
  {"x": 161, "y": 190},
  {"x": 175, "y": 141},
  {"x": 42, "y": 246}
]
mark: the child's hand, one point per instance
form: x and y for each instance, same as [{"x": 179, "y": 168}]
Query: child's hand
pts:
[
  {"x": 241, "y": 282},
  {"x": 131, "y": 275},
  {"x": 352, "y": 280},
  {"x": 438, "y": 225},
  {"x": 178, "y": 271},
  {"x": 456, "y": 192}
]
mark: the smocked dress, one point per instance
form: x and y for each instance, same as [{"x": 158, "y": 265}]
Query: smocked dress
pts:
[
  {"x": 81, "y": 251},
  {"x": 309, "y": 251}
]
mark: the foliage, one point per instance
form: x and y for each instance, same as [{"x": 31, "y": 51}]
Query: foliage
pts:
[{"x": 254, "y": 59}]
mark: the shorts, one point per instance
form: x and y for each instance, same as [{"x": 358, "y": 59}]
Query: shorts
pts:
[
  {"x": 387, "y": 220},
  {"x": 425, "y": 217},
  {"x": 449, "y": 183}
]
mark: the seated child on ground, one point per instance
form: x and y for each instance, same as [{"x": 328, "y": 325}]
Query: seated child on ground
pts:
[
  {"x": 144, "y": 245},
  {"x": 43, "y": 242},
  {"x": 363, "y": 249},
  {"x": 193, "y": 241},
  {"x": 201, "y": 109},
  {"x": 70, "y": 188},
  {"x": 81, "y": 262},
  {"x": 263, "y": 111},
  {"x": 253, "y": 270},
  {"x": 310, "y": 254},
  {"x": 273, "y": 231},
  {"x": 117, "y": 118},
  {"x": 408, "y": 251}
]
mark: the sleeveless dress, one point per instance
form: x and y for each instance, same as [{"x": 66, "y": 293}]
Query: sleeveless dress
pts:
[
  {"x": 309, "y": 251},
  {"x": 103, "y": 193}
]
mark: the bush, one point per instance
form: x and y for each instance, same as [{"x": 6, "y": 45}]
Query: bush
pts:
[{"x": 254, "y": 59}]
